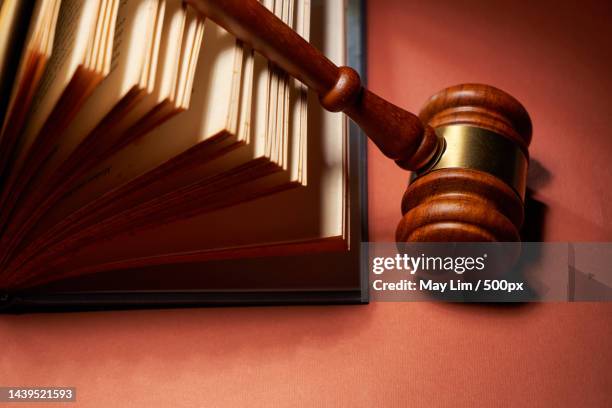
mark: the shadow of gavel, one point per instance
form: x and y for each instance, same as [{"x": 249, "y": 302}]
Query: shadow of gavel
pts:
[{"x": 468, "y": 146}]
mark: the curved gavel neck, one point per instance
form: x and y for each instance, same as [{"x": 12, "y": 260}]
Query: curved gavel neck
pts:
[{"x": 399, "y": 134}]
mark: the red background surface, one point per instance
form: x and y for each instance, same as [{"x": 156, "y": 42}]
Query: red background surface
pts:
[{"x": 552, "y": 56}]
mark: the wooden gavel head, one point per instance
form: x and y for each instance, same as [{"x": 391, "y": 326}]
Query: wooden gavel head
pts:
[{"x": 474, "y": 190}]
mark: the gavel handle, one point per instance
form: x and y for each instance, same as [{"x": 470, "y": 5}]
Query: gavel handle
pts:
[{"x": 399, "y": 134}]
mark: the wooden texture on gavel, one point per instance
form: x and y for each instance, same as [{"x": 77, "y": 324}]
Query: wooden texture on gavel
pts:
[
  {"x": 443, "y": 205},
  {"x": 459, "y": 204}
]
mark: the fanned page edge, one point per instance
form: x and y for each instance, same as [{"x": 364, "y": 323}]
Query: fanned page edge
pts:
[{"x": 344, "y": 130}]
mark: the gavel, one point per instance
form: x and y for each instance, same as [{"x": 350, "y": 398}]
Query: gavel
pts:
[{"x": 468, "y": 148}]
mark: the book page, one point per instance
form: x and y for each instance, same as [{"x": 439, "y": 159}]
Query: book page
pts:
[
  {"x": 30, "y": 63},
  {"x": 297, "y": 107},
  {"x": 19, "y": 12},
  {"x": 170, "y": 50},
  {"x": 216, "y": 90},
  {"x": 134, "y": 18},
  {"x": 9, "y": 20},
  {"x": 161, "y": 65},
  {"x": 106, "y": 47},
  {"x": 131, "y": 80},
  {"x": 97, "y": 37},
  {"x": 220, "y": 58},
  {"x": 147, "y": 77},
  {"x": 302, "y": 214},
  {"x": 14, "y": 49},
  {"x": 75, "y": 24},
  {"x": 192, "y": 37}
]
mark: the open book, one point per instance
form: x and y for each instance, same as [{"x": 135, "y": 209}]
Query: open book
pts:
[{"x": 149, "y": 157}]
